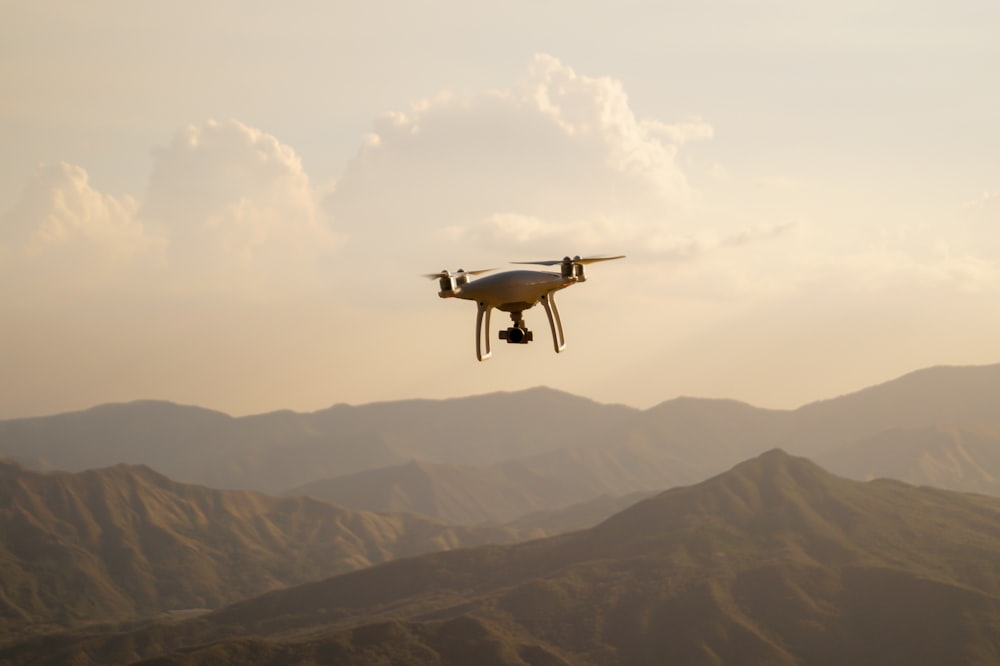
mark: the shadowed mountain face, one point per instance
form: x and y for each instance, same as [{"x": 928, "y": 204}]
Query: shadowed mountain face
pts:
[
  {"x": 125, "y": 542},
  {"x": 775, "y": 561}
]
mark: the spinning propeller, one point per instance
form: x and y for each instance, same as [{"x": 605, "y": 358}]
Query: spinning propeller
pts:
[
  {"x": 459, "y": 272},
  {"x": 571, "y": 267},
  {"x": 449, "y": 281},
  {"x": 568, "y": 260}
]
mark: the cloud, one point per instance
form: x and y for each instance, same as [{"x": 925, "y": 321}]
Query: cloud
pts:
[
  {"x": 985, "y": 201},
  {"x": 559, "y": 159},
  {"x": 225, "y": 203},
  {"x": 58, "y": 207},
  {"x": 63, "y": 228},
  {"x": 223, "y": 191}
]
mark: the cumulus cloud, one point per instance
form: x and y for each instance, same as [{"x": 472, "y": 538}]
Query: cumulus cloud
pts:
[
  {"x": 58, "y": 206},
  {"x": 225, "y": 201},
  {"x": 560, "y": 159},
  {"x": 62, "y": 227},
  {"x": 226, "y": 191}
]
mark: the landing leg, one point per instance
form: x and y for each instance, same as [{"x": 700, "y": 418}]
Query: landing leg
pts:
[
  {"x": 555, "y": 323},
  {"x": 481, "y": 340}
]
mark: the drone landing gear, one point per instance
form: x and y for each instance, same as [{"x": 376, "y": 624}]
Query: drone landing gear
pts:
[
  {"x": 481, "y": 339},
  {"x": 555, "y": 322},
  {"x": 518, "y": 333}
]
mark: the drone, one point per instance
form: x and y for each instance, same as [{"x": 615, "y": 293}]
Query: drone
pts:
[{"x": 514, "y": 292}]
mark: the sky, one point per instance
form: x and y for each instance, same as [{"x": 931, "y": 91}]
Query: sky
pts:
[{"x": 231, "y": 204}]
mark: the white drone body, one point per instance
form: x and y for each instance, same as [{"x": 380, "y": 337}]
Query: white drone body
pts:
[{"x": 515, "y": 292}]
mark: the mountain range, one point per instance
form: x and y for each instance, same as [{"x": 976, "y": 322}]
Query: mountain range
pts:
[
  {"x": 278, "y": 451},
  {"x": 126, "y": 542},
  {"x": 774, "y": 561},
  {"x": 493, "y": 458}
]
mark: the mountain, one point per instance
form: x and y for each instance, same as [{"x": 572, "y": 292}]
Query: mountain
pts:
[
  {"x": 578, "y": 516},
  {"x": 125, "y": 541},
  {"x": 686, "y": 440},
  {"x": 459, "y": 495},
  {"x": 774, "y": 561},
  {"x": 707, "y": 436},
  {"x": 965, "y": 458},
  {"x": 277, "y": 451},
  {"x": 451, "y": 493},
  {"x": 933, "y": 396},
  {"x": 496, "y": 456}
]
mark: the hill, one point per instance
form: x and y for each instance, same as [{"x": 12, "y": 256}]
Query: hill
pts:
[
  {"x": 965, "y": 458},
  {"x": 496, "y": 494},
  {"x": 277, "y": 451},
  {"x": 774, "y": 561},
  {"x": 709, "y": 433},
  {"x": 125, "y": 541},
  {"x": 685, "y": 440},
  {"x": 497, "y": 456}
]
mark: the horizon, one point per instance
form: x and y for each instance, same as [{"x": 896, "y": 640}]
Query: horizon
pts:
[{"x": 807, "y": 198}]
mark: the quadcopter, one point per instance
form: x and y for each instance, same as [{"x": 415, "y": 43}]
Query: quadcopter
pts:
[{"x": 514, "y": 292}]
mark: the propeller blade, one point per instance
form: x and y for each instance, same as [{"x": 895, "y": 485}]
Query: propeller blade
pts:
[
  {"x": 573, "y": 260},
  {"x": 448, "y": 274},
  {"x": 592, "y": 260}
]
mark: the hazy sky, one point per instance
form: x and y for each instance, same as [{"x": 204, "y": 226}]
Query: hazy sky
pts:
[{"x": 230, "y": 204}]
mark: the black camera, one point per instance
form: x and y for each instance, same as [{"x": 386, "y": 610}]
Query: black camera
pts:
[{"x": 516, "y": 336}]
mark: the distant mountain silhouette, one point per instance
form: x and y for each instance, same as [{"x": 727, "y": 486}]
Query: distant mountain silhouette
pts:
[
  {"x": 495, "y": 457},
  {"x": 705, "y": 433},
  {"x": 774, "y": 561},
  {"x": 685, "y": 440},
  {"x": 578, "y": 516},
  {"x": 125, "y": 541},
  {"x": 452, "y": 493},
  {"x": 277, "y": 451},
  {"x": 471, "y": 495},
  {"x": 965, "y": 458}
]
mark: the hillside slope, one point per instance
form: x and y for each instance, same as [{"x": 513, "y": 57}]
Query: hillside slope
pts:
[
  {"x": 775, "y": 561},
  {"x": 125, "y": 541}
]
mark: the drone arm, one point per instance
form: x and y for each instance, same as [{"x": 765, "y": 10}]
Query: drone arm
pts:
[
  {"x": 555, "y": 322},
  {"x": 481, "y": 335}
]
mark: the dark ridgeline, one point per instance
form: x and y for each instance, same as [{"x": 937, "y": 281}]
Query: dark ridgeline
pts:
[{"x": 775, "y": 561}]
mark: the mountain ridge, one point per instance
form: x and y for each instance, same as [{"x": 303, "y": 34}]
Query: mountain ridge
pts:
[
  {"x": 773, "y": 561},
  {"x": 280, "y": 450},
  {"x": 562, "y": 449},
  {"x": 125, "y": 542}
]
